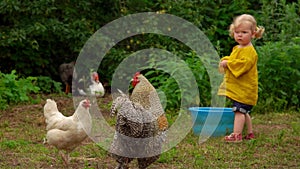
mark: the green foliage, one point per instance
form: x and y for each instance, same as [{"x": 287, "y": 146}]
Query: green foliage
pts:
[
  {"x": 14, "y": 89},
  {"x": 279, "y": 75},
  {"x": 174, "y": 81},
  {"x": 212, "y": 17},
  {"x": 37, "y": 36},
  {"x": 202, "y": 78},
  {"x": 113, "y": 58},
  {"x": 277, "y": 18},
  {"x": 47, "y": 85}
]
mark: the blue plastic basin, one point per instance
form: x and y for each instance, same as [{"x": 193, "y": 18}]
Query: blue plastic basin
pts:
[{"x": 220, "y": 123}]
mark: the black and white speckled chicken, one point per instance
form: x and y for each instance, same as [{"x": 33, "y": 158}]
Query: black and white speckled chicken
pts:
[
  {"x": 140, "y": 127},
  {"x": 136, "y": 134},
  {"x": 145, "y": 94}
]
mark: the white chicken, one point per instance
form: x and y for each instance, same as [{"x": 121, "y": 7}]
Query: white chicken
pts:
[
  {"x": 66, "y": 133},
  {"x": 95, "y": 88}
]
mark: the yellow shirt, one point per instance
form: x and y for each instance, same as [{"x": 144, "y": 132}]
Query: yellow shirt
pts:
[{"x": 241, "y": 77}]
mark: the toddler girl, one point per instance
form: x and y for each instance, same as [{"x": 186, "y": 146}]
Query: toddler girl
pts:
[{"x": 241, "y": 78}]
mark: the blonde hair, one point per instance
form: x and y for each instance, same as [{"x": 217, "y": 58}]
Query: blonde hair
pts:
[{"x": 246, "y": 18}]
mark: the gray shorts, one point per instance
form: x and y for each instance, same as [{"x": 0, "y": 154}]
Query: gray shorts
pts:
[{"x": 241, "y": 107}]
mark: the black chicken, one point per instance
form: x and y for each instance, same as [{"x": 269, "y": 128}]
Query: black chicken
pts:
[{"x": 66, "y": 74}]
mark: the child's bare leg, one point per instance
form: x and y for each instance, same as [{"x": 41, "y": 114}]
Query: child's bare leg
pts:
[
  {"x": 248, "y": 123},
  {"x": 239, "y": 121}
]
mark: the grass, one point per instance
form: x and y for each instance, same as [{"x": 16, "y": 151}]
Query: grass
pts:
[{"x": 277, "y": 145}]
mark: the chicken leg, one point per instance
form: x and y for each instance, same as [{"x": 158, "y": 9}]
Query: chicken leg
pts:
[
  {"x": 65, "y": 158},
  {"x": 67, "y": 91}
]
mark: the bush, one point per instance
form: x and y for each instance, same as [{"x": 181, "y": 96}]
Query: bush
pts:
[
  {"x": 277, "y": 18},
  {"x": 47, "y": 85},
  {"x": 37, "y": 36},
  {"x": 174, "y": 80},
  {"x": 279, "y": 75},
  {"x": 14, "y": 89}
]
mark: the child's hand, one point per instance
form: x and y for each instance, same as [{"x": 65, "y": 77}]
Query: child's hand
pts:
[
  {"x": 222, "y": 66},
  {"x": 223, "y": 63}
]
